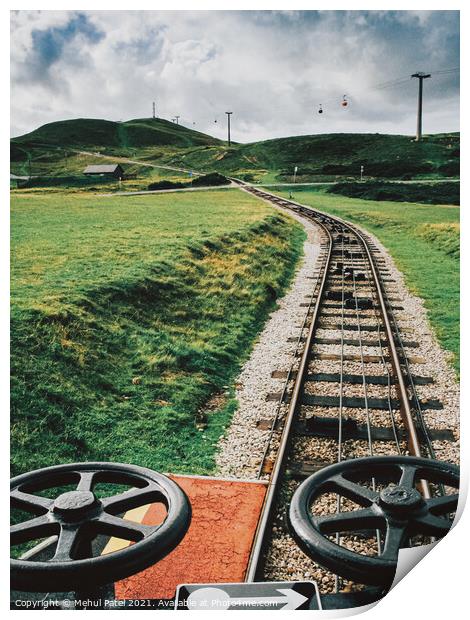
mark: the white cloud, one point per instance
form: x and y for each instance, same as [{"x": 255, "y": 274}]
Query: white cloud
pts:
[{"x": 271, "y": 68}]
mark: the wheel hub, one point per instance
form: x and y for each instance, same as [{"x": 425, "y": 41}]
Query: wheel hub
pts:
[
  {"x": 74, "y": 504},
  {"x": 395, "y": 498}
]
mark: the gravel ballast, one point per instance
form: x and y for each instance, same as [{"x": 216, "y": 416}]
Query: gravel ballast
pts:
[{"x": 241, "y": 450}]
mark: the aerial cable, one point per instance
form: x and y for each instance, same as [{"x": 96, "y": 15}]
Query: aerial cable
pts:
[
  {"x": 395, "y": 83},
  {"x": 446, "y": 71}
]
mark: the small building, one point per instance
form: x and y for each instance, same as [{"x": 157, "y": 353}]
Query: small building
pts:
[{"x": 106, "y": 170}]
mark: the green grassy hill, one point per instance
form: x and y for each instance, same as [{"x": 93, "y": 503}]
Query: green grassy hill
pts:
[
  {"x": 331, "y": 155},
  {"x": 89, "y": 132},
  {"x": 323, "y": 157},
  {"x": 54, "y": 149}
]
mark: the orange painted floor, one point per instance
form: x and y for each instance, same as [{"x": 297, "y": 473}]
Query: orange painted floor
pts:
[{"x": 217, "y": 545}]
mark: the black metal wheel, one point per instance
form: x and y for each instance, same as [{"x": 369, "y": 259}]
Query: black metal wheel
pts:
[
  {"x": 78, "y": 516},
  {"x": 397, "y": 511}
]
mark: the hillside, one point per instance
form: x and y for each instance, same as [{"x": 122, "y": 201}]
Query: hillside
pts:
[
  {"x": 322, "y": 157},
  {"x": 389, "y": 156},
  {"x": 87, "y": 132}
]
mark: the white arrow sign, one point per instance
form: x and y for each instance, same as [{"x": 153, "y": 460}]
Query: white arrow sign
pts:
[{"x": 266, "y": 595}]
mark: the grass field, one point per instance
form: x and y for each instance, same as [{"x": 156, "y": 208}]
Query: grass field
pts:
[
  {"x": 131, "y": 318},
  {"x": 424, "y": 240}
]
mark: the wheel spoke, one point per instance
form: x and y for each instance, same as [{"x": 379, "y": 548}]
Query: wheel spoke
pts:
[
  {"x": 128, "y": 530},
  {"x": 347, "y": 521},
  {"x": 443, "y": 505},
  {"x": 39, "y": 527},
  {"x": 30, "y": 503},
  {"x": 86, "y": 481},
  {"x": 131, "y": 499},
  {"x": 67, "y": 543},
  {"x": 353, "y": 491},
  {"x": 407, "y": 478},
  {"x": 394, "y": 538},
  {"x": 431, "y": 525}
]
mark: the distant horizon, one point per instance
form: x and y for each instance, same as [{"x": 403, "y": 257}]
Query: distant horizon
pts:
[
  {"x": 234, "y": 141},
  {"x": 274, "y": 69}
]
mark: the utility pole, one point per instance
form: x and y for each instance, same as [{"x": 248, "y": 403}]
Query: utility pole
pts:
[
  {"x": 228, "y": 126},
  {"x": 419, "y": 127},
  {"x": 177, "y": 119},
  {"x": 154, "y": 112},
  {"x": 362, "y": 173}
]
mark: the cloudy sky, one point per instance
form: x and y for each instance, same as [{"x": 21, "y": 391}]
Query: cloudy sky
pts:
[{"x": 272, "y": 69}]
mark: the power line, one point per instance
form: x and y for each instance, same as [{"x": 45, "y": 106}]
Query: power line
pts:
[
  {"x": 445, "y": 71},
  {"x": 390, "y": 84},
  {"x": 404, "y": 79},
  {"x": 394, "y": 84}
]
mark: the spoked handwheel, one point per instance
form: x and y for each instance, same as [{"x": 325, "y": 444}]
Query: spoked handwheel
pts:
[
  {"x": 77, "y": 517},
  {"x": 396, "y": 511}
]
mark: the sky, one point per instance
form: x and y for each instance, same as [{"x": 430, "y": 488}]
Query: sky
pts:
[{"x": 272, "y": 69}]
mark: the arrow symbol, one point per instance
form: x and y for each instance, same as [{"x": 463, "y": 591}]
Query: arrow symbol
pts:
[
  {"x": 290, "y": 599},
  {"x": 213, "y": 598}
]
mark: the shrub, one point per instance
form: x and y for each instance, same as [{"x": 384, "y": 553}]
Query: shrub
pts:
[
  {"x": 207, "y": 180},
  {"x": 437, "y": 193},
  {"x": 211, "y": 179},
  {"x": 386, "y": 169},
  {"x": 17, "y": 153},
  {"x": 450, "y": 169},
  {"x": 165, "y": 185}
]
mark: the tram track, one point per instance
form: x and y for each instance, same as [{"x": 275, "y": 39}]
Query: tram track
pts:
[{"x": 352, "y": 391}]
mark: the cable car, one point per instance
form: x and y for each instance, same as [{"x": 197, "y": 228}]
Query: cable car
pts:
[
  {"x": 344, "y": 102},
  {"x": 320, "y": 110}
]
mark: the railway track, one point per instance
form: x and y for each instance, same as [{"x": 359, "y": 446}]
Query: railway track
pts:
[
  {"x": 352, "y": 392},
  {"x": 349, "y": 464}
]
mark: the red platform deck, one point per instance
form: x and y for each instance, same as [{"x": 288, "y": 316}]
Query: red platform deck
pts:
[{"x": 217, "y": 546}]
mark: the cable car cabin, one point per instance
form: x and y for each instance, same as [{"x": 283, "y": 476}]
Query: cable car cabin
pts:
[{"x": 106, "y": 170}]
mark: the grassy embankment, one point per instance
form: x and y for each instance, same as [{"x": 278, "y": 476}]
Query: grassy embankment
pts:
[
  {"x": 131, "y": 318},
  {"x": 424, "y": 241}
]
